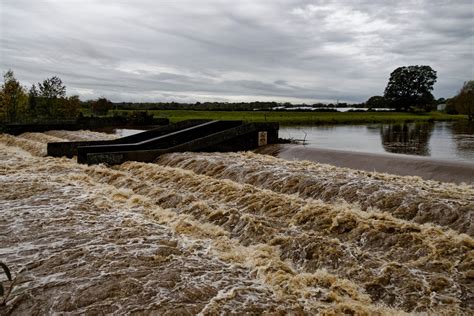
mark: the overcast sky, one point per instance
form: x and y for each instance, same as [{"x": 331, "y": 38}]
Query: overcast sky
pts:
[{"x": 245, "y": 50}]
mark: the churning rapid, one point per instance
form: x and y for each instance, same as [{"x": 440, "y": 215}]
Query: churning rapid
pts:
[{"x": 222, "y": 233}]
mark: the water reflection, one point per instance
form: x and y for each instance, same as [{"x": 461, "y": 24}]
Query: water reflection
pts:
[
  {"x": 407, "y": 138},
  {"x": 452, "y": 141},
  {"x": 463, "y": 135}
]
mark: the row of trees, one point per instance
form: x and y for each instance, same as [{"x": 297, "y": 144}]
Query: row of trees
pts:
[
  {"x": 408, "y": 89},
  {"x": 226, "y": 106},
  {"x": 44, "y": 101}
]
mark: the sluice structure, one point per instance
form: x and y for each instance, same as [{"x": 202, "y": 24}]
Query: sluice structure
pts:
[{"x": 201, "y": 136}]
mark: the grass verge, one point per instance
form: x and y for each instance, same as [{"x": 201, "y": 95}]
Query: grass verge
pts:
[{"x": 302, "y": 118}]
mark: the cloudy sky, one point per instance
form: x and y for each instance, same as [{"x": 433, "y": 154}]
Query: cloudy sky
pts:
[{"x": 228, "y": 50}]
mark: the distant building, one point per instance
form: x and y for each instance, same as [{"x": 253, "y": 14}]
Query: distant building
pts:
[{"x": 441, "y": 107}]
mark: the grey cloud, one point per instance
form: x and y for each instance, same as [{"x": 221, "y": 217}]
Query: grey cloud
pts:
[{"x": 222, "y": 50}]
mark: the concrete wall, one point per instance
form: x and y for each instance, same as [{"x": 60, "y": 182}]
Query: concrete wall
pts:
[
  {"x": 237, "y": 138},
  {"x": 404, "y": 165},
  {"x": 69, "y": 149},
  {"x": 165, "y": 141}
]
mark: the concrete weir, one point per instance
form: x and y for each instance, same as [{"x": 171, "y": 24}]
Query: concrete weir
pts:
[
  {"x": 69, "y": 149},
  {"x": 402, "y": 165},
  {"x": 180, "y": 137}
]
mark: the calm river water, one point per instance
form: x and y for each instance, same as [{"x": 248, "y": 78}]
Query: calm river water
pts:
[{"x": 439, "y": 140}]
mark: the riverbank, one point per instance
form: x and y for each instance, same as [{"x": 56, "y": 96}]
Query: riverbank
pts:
[{"x": 303, "y": 117}]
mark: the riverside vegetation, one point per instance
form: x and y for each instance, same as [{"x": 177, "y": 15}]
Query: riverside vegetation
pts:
[{"x": 47, "y": 101}]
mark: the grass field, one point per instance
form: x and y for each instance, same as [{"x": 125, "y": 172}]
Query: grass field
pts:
[{"x": 300, "y": 118}]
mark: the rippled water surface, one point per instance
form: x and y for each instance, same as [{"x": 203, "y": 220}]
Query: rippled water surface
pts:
[
  {"x": 223, "y": 233},
  {"x": 440, "y": 140}
]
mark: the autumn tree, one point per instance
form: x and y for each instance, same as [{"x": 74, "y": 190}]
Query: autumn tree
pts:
[
  {"x": 101, "y": 106},
  {"x": 49, "y": 100},
  {"x": 71, "y": 107},
  {"x": 52, "y": 88},
  {"x": 410, "y": 87},
  {"x": 33, "y": 94},
  {"x": 13, "y": 99},
  {"x": 463, "y": 102}
]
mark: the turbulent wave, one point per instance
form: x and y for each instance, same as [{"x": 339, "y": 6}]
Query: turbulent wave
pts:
[
  {"x": 225, "y": 236},
  {"x": 409, "y": 198},
  {"x": 34, "y": 147},
  {"x": 81, "y": 135}
]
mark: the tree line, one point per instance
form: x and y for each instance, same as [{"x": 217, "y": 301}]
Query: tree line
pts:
[
  {"x": 217, "y": 106},
  {"x": 408, "y": 89},
  {"x": 44, "y": 101}
]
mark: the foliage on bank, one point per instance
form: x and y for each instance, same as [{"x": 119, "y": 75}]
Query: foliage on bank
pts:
[
  {"x": 408, "y": 91},
  {"x": 45, "y": 101},
  {"x": 463, "y": 102}
]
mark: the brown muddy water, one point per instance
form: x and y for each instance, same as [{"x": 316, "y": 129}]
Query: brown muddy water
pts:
[{"x": 227, "y": 233}]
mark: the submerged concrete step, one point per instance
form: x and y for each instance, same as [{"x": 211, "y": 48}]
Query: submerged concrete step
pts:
[
  {"x": 180, "y": 137},
  {"x": 241, "y": 137},
  {"x": 69, "y": 149},
  {"x": 165, "y": 141}
]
